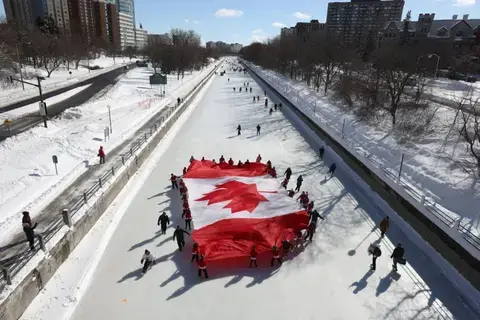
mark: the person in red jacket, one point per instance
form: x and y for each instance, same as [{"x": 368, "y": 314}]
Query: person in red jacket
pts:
[
  {"x": 301, "y": 197},
  {"x": 285, "y": 183},
  {"x": 253, "y": 257},
  {"x": 230, "y": 162},
  {"x": 240, "y": 163},
  {"x": 298, "y": 238},
  {"x": 259, "y": 158},
  {"x": 269, "y": 165},
  {"x": 222, "y": 159},
  {"x": 273, "y": 172},
  {"x": 184, "y": 170},
  {"x": 195, "y": 252},
  {"x": 101, "y": 155},
  {"x": 188, "y": 218},
  {"x": 275, "y": 256},
  {"x": 202, "y": 267},
  {"x": 310, "y": 206},
  {"x": 173, "y": 180}
]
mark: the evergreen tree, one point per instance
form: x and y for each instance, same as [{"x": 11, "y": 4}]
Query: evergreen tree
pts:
[{"x": 406, "y": 28}]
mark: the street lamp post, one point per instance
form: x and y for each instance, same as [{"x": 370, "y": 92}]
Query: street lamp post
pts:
[{"x": 20, "y": 64}]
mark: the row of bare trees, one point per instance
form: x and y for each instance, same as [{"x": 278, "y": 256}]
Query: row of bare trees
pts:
[
  {"x": 177, "y": 51},
  {"x": 375, "y": 83}
]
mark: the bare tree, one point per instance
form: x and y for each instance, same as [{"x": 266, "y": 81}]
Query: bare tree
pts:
[{"x": 469, "y": 128}]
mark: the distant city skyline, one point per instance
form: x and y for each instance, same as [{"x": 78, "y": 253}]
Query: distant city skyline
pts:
[{"x": 252, "y": 20}]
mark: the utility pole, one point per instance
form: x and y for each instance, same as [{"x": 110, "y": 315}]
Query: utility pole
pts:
[{"x": 39, "y": 86}]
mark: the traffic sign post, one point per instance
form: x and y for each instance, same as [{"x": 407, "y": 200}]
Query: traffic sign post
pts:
[{"x": 55, "y": 161}]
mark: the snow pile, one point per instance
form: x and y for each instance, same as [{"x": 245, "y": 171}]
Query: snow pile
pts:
[
  {"x": 429, "y": 166},
  {"x": 61, "y": 77},
  {"x": 28, "y": 174}
]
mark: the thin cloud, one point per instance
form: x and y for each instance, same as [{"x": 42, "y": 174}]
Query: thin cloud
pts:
[
  {"x": 464, "y": 3},
  {"x": 278, "y": 25},
  {"x": 195, "y": 22},
  {"x": 306, "y": 16},
  {"x": 186, "y": 20},
  {"x": 259, "y": 38},
  {"x": 228, "y": 13},
  {"x": 257, "y": 31}
]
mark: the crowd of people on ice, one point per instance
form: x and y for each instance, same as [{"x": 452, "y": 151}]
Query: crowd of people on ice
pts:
[{"x": 278, "y": 252}]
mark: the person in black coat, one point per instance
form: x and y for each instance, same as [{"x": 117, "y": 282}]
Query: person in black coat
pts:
[
  {"x": 288, "y": 173},
  {"x": 321, "y": 152},
  {"x": 299, "y": 183},
  {"x": 29, "y": 228},
  {"x": 332, "y": 169},
  {"x": 148, "y": 260},
  {"x": 178, "y": 234},
  {"x": 314, "y": 215},
  {"x": 239, "y": 130},
  {"x": 163, "y": 222},
  {"x": 258, "y": 129},
  {"x": 375, "y": 251},
  {"x": 397, "y": 255}
]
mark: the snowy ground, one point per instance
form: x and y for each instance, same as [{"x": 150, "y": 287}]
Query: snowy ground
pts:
[
  {"x": 28, "y": 174},
  {"x": 13, "y": 92},
  {"x": 451, "y": 89},
  {"x": 431, "y": 162},
  {"x": 329, "y": 279}
]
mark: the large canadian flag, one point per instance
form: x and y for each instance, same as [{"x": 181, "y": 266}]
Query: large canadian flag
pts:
[{"x": 234, "y": 208}]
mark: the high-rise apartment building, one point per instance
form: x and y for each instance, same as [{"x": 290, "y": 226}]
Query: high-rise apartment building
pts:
[
  {"x": 126, "y": 17},
  {"x": 142, "y": 37},
  {"x": 359, "y": 20},
  {"x": 59, "y": 11},
  {"x": 25, "y": 12}
]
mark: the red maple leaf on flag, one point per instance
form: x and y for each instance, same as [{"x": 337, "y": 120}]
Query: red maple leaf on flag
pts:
[{"x": 242, "y": 196}]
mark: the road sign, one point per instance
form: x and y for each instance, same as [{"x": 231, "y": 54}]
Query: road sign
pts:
[
  {"x": 42, "y": 106},
  {"x": 55, "y": 159},
  {"x": 157, "y": 78}
]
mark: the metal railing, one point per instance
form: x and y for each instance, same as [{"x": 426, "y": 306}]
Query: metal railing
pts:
[
  {"x": 11, "y": 266},
  {"x": 438, "y": 211}
]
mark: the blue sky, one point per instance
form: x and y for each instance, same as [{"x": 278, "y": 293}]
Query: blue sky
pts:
[{"x": 246, "y": 20}]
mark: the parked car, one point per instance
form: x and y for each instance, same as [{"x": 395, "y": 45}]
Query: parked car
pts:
[
  {"x": 141, "y": 63},
  {"x": 471, "y": 79}
]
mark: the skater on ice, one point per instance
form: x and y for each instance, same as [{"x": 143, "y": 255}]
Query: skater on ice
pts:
[
  {"x": 259, "y": 158},
  {"x": 222, "y": 159},
  {"x": 273, "y": 172},
  {"x": 332, "y": 169},
  {"x": 230, "y": 162},
  {"x": 302, "y": 197},
  {"x": 321, "y": 152},
  {"x": 184, "y": 170},
  {"x": 271, "y": 111},
  {"x": 310, "y": 231},
  {"x": 247, "y": 162},
  {"x": 178, "y": 235},
  {"x": 284, "y": 185},
  {"x": 286, "y": 246},
  {"x": 163, "y": 222},
  {"x": 195, "y": 252},
  {"x": 310, "y": 206},
  {"x": 239, "y": 130},
  {"x": 258, "y": 129},
  {"x": 299, "y": 183},
  {"x": 269, "y": 165},
  {"x": 288, "y": 173},
  {"x": 374, "y": 250},
  {"x": 203, "y": 159},
  {"x": 253, "y": 257},
  {"x": 173, "y": 180},
  {"x": 147, "y": 260},
  {"x": 291, "y": 193},
  {"x": 314, "y": 215},
  {"x": 240, "y": 163},
  {"x": 397, "y": 256},
  {"x": 202, "y": 267},
  {"x": 275, "y": 256},
  {"x": 266, "y": 102},
  {"x": 384, "y": 225},
  {"x": 187, "y": 214},
  {"x": 192, "y": 159}
]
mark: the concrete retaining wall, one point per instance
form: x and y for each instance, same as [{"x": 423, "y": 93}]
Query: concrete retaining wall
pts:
[
  {"x": 17, "y": 302},
  {"x": 443, "y": 243}
]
